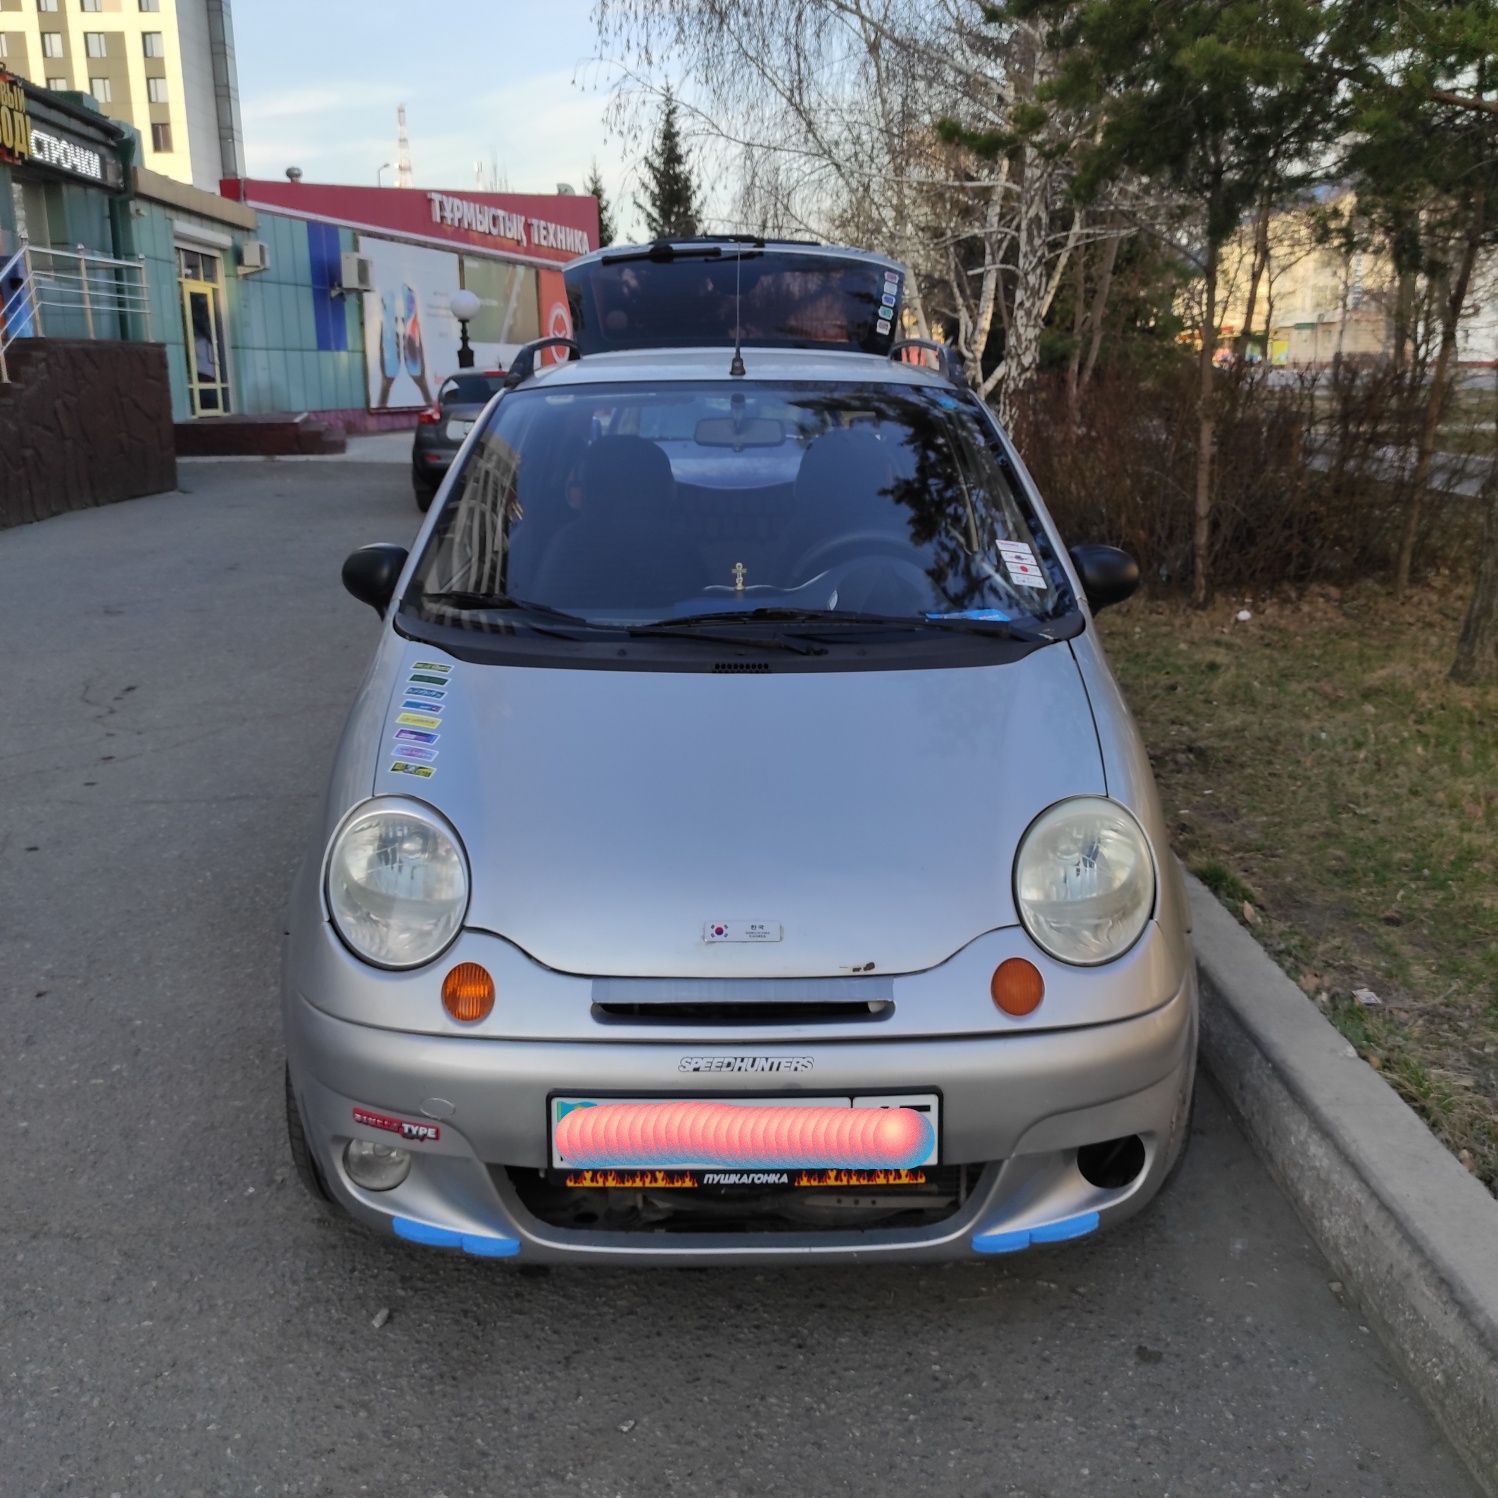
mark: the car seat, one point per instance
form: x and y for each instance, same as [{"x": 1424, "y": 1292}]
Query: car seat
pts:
[{"x": 626, "y": 548}]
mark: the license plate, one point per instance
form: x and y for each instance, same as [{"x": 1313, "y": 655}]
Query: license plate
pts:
[
  {"x": 458, "y": 430},
  {"x": 888, "y": 1133}
]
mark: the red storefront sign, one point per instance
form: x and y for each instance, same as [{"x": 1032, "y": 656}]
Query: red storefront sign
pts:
[{"x": 541, "y": 228}]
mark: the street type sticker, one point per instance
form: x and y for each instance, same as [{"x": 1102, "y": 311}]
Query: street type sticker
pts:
[{"x": 418, "y": 1132}]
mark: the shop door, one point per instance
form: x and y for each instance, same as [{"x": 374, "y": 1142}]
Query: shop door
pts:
[{"x": 203, "y": 329}]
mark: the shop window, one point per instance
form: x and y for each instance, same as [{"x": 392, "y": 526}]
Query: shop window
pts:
[
  {"x": 51, "y": 44},
  {"x": 156, "y": 90},
  {"x": 102, "y": 90},
  {"x": 152, "y": 42},
  {"x": 95, "y": 44},
  {"x": 161, "y": 137}
]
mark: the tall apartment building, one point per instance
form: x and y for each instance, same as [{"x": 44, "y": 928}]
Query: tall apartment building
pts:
[{"x": 164, "y": 66}]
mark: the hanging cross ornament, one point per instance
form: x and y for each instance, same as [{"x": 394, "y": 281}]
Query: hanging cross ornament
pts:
[{"x": 740, "y": 572}]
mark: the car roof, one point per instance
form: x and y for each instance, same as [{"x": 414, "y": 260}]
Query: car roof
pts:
[
  {"x": 730, "y": 243},
  {"x": 761, "y": 365}
]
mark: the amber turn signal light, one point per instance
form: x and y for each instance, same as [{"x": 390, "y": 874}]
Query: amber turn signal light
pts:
[
  {"x": 1017, "y": 987},
  {"x": 468, "y": 993}
]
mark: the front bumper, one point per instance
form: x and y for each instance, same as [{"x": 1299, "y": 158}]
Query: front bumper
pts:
[{"x": 1021, "y": 1104}]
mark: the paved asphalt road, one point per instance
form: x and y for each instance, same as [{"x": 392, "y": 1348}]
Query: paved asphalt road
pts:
[{"x": 176, "y": 1318}]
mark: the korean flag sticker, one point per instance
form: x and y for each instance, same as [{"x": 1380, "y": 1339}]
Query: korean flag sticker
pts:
[{"x": 1020, "y": 565}]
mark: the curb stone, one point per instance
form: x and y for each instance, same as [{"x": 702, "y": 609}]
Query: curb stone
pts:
[{"x": 1411, "y": 1232}]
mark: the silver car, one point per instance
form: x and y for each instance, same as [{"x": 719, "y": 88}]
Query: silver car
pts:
[{"x": 738, "y": 850}]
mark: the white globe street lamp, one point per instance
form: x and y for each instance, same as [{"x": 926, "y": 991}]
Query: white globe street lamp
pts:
[{"x": 465, "y": 307}]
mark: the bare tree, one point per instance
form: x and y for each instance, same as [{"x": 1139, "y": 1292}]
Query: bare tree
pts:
[{"x": 833, "y": 117}]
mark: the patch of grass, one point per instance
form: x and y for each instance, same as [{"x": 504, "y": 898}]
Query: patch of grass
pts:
[{"x": 1317, "y": 766}]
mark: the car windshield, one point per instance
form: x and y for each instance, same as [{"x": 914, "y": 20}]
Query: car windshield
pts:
[
  {"x": 624, "y": 504},
  {"x": 470, "y": 389}
]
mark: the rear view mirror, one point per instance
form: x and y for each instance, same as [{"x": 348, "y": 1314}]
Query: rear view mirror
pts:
[
  {"x": 1108, "y": 575},
  {"x": 737, "y": 433},
  {"x": 372, "y": 572}
]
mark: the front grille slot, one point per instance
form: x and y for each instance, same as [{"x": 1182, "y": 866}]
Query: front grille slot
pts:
[
  {"x": 738, "y": 668},
  {"x": 855, "y": 1011},
  {"x": 740, "y": 1002}
]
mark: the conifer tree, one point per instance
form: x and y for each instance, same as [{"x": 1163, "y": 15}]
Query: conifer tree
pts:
[
  {"x": 608, "y": 231},
  {"x": 669, "y": 207}
]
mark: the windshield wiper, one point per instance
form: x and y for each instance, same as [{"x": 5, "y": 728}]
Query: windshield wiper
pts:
[
  {"x": 486, "y": 603},
  {"x": 998, "y": 628},
  {"x": 687, "y": 629},
  {"x": 497, "y": 602}
]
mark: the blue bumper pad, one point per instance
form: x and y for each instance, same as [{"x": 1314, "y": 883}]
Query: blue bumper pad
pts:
[
  {"x": 471, "y": 1243},
  {"x": 1050, "y": 1232}
]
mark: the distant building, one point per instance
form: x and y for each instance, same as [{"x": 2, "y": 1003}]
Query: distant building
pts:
[
  {"x": 164, "y": 66},
  {"x": 1317, "y": 302}
]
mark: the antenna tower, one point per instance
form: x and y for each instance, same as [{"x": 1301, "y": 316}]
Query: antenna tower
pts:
[{"x": 402, "y": 149}]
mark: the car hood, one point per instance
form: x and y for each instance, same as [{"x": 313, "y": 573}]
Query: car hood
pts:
[{"x": 612, "y": 818}]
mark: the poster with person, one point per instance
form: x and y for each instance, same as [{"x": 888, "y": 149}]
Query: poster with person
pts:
[{"x": 410, "y": 333}]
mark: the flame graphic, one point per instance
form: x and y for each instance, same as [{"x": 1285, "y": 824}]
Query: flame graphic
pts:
[
  {"x": 860, "y": 1178},
  {"x": 657, "y": 1180}
]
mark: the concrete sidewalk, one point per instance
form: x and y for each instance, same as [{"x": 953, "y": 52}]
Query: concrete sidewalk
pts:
[{"x": 1412, "y": 1235}]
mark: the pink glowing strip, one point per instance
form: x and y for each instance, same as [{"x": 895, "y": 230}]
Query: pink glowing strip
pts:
[{"x": 714, "y": 1134}]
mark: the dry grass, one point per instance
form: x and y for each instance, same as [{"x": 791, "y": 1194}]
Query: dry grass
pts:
[{"x": 1341, "y": 797}]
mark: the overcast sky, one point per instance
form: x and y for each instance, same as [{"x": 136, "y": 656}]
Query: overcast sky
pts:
[{"x": 512, "y": 81}]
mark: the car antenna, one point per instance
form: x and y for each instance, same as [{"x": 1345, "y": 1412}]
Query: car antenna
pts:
[{"x": 736, "y": 368}]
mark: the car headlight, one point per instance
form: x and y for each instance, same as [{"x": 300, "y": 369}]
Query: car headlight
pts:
[
  {"x": 397, "y": 883},
  {"x": 1084, "y": 880}
]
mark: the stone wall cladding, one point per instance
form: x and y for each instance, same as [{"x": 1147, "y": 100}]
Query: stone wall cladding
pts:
[{"x": 83, "y": 424}]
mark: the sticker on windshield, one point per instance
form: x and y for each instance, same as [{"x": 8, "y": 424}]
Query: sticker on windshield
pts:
[
  {"x": 421, "y": 706},
  {"x": 430, "y": 680},
  {"x": 436, "y": 666},
  {"x": 415, "y": 736},
  {"x": 405, "y": 767},
  {"x": 415, "y": 752},
  {"x": 418, "y": 720},
  {"x": 430, "y": 692},
  {"x": 1020, "y": 565}
]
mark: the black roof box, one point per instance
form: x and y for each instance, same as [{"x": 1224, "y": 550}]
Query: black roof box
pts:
[{"x": 695, "y": 293}]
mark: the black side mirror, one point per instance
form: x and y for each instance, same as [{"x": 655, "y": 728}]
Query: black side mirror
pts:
[
  {"x": 1108, "y": 575},
  {"x": 372, "y": 572}
]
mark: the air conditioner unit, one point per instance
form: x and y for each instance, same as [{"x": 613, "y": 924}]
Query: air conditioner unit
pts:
[
  {"x": 254, "y": 255},
  {"x": 357, "y": 273}
]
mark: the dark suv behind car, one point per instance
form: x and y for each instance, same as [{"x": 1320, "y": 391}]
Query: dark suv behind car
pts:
[{"x": 440, "y": 430}]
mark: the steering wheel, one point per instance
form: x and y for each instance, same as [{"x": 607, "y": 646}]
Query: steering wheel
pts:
[{"x": 823, "y": 556}]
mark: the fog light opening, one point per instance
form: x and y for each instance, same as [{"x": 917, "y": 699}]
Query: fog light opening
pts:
[
  {"x": 1017, "y": 987},
  {"x": 375, "y": 1167},
  {"x": 468, "y": 993},
  {"x": 1113, "y": 1163}
]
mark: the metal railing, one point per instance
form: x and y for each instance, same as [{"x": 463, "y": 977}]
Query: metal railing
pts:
[{"x": 47, "y": 293}]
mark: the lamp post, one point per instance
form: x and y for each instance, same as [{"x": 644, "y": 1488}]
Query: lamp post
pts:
[
  {"x": 383, "y": 167},
  {"x": 465, "y": 307}
]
